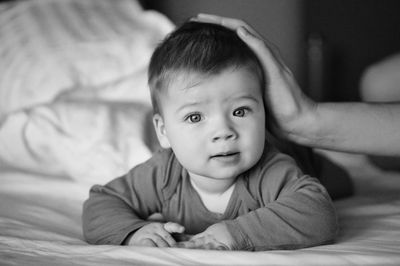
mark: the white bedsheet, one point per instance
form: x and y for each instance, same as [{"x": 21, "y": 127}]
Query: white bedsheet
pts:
[{"x": 40, "y": 225}]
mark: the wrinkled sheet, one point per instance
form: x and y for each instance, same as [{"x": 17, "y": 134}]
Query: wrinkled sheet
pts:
[
  {"x": 40, "y": 224},
  {"x": 74, "y": 100}
]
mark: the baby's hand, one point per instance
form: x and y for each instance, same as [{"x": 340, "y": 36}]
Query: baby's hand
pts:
[
  {"x": 156, "y": 235},
  {"x": 216, "y": 237}
]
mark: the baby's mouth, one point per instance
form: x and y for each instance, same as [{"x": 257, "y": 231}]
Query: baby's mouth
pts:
[{"x": 226, "y": 156}]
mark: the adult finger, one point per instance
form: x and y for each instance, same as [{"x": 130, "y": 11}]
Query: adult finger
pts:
[
  {"x": 230, "y": 23},
  {"x": 269, "y": 55},
  {"x": 265, "y": 49}
]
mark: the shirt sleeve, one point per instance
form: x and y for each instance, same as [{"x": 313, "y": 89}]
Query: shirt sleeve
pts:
[
  {"x": 121, "y": 207},
  {"x": 295, "y": 210}
]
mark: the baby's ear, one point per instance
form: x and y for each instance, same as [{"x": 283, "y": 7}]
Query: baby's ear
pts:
[{"x": 159, "y": 126}]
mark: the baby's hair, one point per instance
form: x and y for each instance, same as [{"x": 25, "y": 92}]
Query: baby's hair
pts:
[{"x": 200, "y": 48}]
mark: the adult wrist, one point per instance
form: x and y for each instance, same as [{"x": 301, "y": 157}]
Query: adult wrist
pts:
[{"x": 305, "y": 128}]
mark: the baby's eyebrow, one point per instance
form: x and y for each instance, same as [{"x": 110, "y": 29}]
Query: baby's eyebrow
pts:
[
  {"x": 192, "y": 84},
  {"x": 188, "y": 105},
  {"x": 247, "y": 97}
]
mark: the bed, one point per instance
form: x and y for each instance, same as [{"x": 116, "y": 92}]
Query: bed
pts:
[{"x": 75, "y": 111}]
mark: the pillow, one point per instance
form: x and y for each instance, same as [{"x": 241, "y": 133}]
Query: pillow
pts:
[
  {"x": 88, "y": 142},
  {"x": 49, "y": 47},
  {"x": 74, "y": 99}
]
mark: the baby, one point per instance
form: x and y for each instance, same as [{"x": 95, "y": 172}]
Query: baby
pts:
[{"x": 217, "y": 182}]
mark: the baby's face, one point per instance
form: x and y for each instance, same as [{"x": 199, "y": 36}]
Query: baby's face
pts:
[{"x": 215, "y": 124}]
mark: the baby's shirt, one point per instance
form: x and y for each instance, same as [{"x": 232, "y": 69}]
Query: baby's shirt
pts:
[{"x": 273, "y": 205}]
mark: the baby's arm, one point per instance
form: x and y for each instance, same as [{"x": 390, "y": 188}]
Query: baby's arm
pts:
[
  {"x": 295, "y": 212},
  {"x": 108, "y": 215},
  {"x": 123, "y": 206}
]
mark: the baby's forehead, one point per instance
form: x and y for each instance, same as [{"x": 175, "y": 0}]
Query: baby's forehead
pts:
[{"x": 188, "y": 79}]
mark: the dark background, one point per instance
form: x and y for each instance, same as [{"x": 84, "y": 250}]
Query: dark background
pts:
[
  {"x": 358, "y": 33},
  {"x": 327, "y": 43}
]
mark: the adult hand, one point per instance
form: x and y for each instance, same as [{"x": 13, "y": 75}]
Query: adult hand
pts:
[
  {"x": 156, "y": 235},
  {"x": 290, "y": 107}
]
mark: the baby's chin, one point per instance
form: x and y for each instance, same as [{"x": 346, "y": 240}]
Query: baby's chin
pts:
[
  {"x": 225, "y": 170},
  {"x": 223, "y": 174}
]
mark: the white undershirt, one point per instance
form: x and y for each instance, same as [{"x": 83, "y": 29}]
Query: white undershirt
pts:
[{"x": 215, "y": 202}]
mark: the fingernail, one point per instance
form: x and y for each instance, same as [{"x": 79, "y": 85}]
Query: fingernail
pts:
[
  {"x": 242, "y": 31},
  {"x": 205, "y": 16}
]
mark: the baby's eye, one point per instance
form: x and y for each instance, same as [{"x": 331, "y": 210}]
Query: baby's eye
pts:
[
  {"x": 194, "y": 118},
  {"x": 240, "y": 112}
]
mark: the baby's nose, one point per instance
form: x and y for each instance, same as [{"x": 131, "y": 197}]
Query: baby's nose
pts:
[
  {"x": 224, "y": 132},
  {"x": 226, "y": 136}
]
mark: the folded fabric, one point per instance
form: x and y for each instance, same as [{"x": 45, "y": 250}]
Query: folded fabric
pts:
[
  {"x": 90, "y": 142},
  {"x": 52, "y": 46}
]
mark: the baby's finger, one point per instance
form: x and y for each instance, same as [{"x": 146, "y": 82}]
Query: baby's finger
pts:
[
  {"x": 160, "y": 241},
  {"x": 167, "y": 238},
  {"x": 171, "y": 227},
  {"x": 196, "y": 242},
  {"x": 222, "y": 247},
  {"x": 199, "y": 237},
  {"x": 186, "y": 244},
  {"x": 208, "y": 246},
  {"x": 181, "y": 237},
  {"x": 205, "y": 241},
  {"x": 147, "y": 242}
]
